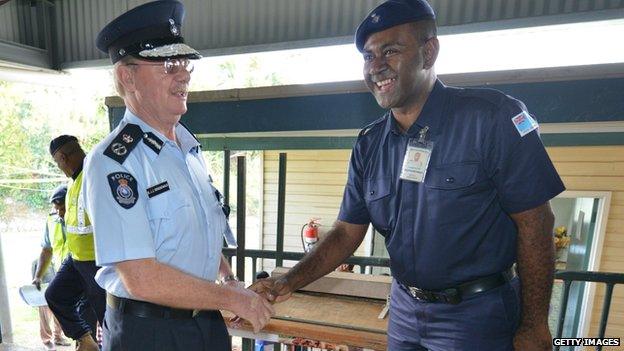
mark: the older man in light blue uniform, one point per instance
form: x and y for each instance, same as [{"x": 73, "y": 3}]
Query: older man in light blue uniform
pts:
[{"x": 157, "y": 220}]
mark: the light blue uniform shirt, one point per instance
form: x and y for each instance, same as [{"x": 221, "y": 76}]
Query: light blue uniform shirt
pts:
[
  {"x": 180, "y": 222},
  {"x": 45, "y": 240}
]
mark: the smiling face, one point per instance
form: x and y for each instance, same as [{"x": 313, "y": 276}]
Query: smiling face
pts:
[
  {"x": 397, "y": 65},
  {"x": 153, "y": 94}
]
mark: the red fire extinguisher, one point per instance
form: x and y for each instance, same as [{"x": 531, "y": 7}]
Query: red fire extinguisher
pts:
[{"x": 309, "y": 234}]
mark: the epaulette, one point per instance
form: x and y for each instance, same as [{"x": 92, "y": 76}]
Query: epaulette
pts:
[
  {"x": 153, "y": 142},
  {"x": 125, "y": 141},
  {"x": 492, "y": 96},
  {"x": 372, "y": 125}
]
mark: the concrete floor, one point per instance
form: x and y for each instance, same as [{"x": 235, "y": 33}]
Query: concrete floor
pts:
[
  {"x": 7, "y": 347},
  {"x": 12, "y": 347}
]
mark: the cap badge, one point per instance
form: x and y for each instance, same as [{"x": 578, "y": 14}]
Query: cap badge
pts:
[
  {"x": 172, "y": 26},
  {"x": 375, "y": 18}
]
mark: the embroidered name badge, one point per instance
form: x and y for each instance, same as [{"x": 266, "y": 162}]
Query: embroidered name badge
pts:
[
  {"x": 157, "y": 189},
  {"x": 124, "y": 189},
  {"x": 524, "y": 123}
]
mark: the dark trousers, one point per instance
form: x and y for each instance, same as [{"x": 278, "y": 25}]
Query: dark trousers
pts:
[
  {"x": 125, "y": 332},
  {"x": 76, "y": 299},
  {"x": 486, "y": 321}
]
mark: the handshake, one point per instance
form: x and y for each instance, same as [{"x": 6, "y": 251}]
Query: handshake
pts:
[{"x": 254, "y": 304}]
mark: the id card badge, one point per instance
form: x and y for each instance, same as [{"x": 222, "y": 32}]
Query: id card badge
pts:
[{"x": 417, "y": 158}]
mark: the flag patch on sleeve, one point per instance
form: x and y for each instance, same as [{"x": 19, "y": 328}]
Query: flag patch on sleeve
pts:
[{"x": 524, "y": 123}]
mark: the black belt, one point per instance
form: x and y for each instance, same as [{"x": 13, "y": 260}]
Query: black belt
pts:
[
  {"x": 146, "y": 309},
  {"x": 456, "y": 294}
]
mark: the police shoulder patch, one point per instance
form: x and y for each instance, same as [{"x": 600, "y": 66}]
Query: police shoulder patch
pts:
[
  {"x": 124, "y": 188},
  {"x": 124, "y": 143}
]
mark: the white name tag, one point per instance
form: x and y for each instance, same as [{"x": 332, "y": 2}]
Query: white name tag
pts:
[{"x": 416, "y": 160}]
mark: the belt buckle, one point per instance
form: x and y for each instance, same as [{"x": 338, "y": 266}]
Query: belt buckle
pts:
[{"x": 421, "y": 295}]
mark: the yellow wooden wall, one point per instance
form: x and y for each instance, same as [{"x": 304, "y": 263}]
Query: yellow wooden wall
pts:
[
  {"x": 314, "y": 185},
  {"x": 600, "y": 168},
  {"x": 316, "y": 179}
]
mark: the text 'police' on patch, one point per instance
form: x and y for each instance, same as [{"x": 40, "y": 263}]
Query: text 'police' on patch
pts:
[{"x": 124, "y": 188}]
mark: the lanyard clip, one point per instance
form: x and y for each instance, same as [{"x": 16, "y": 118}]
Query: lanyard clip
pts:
[{"x": 422, "y": 134}]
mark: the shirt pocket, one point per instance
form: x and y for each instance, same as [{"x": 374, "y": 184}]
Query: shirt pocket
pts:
[
  {"x": 454, "y": 194},
  {"x": 452, "y": 176},
  {"x": 167, "y": 216},
  {"x": 165, "y": 205},
  {"x": 377, "y": 193}
]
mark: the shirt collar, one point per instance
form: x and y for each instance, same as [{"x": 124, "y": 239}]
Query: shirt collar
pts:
[
  {"x": 77, "y": 172},
  {"x": 431, "y": 114},
  {"x": 187, "y": 141}
]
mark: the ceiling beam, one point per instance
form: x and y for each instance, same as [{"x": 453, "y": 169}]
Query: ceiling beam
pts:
[{"x": 23, "y": 56}]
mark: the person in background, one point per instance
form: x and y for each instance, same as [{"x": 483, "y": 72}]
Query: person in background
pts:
[
  {"x": 53, "y": 250},
  {"x": 158, "y": 222},
  {"x": 74, "y": 296},
  {"x": 458, "y": 182}
]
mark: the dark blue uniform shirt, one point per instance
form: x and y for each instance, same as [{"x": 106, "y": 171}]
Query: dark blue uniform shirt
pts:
[{"x": 455, "y": 226}]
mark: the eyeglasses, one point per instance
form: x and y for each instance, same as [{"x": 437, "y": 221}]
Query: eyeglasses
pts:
[{"x": 172, "y": 66}]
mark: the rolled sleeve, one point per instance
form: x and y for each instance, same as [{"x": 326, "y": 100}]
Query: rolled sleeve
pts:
[{"x": 120, "y": 233}]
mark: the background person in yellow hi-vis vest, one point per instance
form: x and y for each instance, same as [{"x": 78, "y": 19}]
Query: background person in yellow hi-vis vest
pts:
[
  {"x": 52, "y": 246},
  {"x": 74, "y": 282}
]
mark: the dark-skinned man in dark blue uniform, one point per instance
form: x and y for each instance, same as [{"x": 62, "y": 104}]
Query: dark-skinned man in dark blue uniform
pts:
[{"x": 458, "y": 182}]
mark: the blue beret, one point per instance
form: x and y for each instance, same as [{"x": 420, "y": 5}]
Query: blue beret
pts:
[
  {"x": 389, "y": 14},
  {"x": 59, "y": 194},
  {"x": 59, "y": 141},
  {"x": 152, "y": 31}
]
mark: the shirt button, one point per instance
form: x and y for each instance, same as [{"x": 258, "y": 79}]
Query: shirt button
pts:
[
  {"x": 450, "y": 180},
  {"x": 372, "y": 192}
]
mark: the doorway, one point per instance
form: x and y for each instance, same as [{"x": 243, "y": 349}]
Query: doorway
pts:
[{"x": 580, "y": 224}]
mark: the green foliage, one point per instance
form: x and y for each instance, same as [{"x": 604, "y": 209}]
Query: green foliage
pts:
[
  {"x": 30, "y": 117},
  {"x": 234, "y": 73},
  {"x": 32, "y": 114}
]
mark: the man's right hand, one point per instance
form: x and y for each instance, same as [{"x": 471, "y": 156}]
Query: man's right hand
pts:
[
  {"x": 37, "y": 283},
  {"x": 272, "y": 289},
  {"x": 252, "y": 307}
]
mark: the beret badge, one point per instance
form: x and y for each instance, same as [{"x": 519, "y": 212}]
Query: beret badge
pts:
[{"x": 174, "y": 29}]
